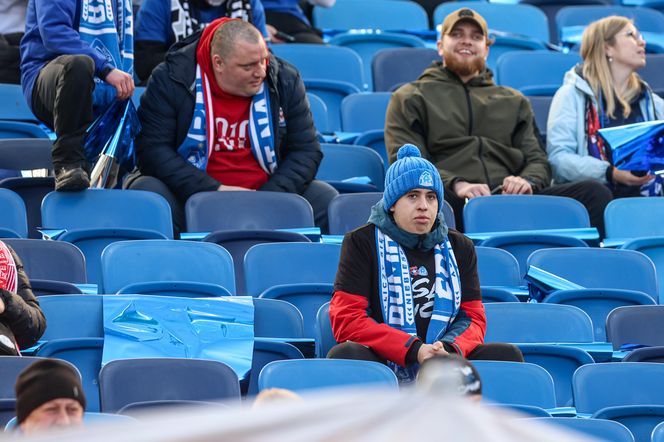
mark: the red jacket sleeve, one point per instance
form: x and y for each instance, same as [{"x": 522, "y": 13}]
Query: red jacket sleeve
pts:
[
  {"x": 350, "y": 322},
  {"x": 468, "y": 328}
]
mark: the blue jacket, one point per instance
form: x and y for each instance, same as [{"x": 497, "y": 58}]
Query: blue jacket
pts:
[
  {"x": 51, "y": 30},
  {"x": 291, "y": 7},
  {"x": 566, "y": 137}
]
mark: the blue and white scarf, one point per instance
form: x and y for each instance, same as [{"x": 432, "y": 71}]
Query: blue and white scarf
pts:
[
  {"x": 397, "y": 296},
  {"x": 197, "y": 146},
  {"x": 107, "y": 26}
]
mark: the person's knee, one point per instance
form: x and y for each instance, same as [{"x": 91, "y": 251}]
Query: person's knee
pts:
[
  {"x": 352, "y": 350},
  {"x": 507, "y": 352},
  {"x": 79, "y": 69},
  {"x": 599, "y": 193}
]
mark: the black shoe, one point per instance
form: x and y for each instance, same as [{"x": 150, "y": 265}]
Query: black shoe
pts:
[{"x": 71, "y": 179}]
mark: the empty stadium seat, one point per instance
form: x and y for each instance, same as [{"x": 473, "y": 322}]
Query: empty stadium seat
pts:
[
  {"x": 601, "y": 429},
  {"x": 391, "y": 68},
  {"x": 651, "y": 72},
  {"x": 324, "y": 335},
  {"x": 274, "y": 318},
  {"x": 213, "y": 211},
  {"x": 384, "y": 15},
  {"x": 32, "y": 191},
  {"x": 621, "y": 223},
  {"x": 375, "y": 140},
  {"x": 534, "y": 72},
  {"x": 129, "y": 262},
  {"x": 646, "y": 354},
  {"x": 541, "y": 105},
  {"x": 50, "y": 260},
  {"x": 305, "y": 374},
  {"x": 13, "y": 223},
  {"x": 72, "y": 316},
  {"x": 266, "y": 351},
  {"x": 363, "y": 112},
  {"x": 497, "y": 267},
  {"x": 343, "y": 162},
  {"x": 653, "y": 248},
  {"x": 551, "y": 7},
  {"x": 349, "y": 211},
  {"x": 636, "y": 325},
  {"x": 641, "y": 420},
  {"x": 497, "y": 294}
]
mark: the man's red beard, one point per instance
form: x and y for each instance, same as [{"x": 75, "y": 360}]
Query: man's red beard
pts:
[{"x": 462, "y": 67}]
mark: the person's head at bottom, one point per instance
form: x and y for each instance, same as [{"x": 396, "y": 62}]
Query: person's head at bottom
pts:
[
  {"x": 413, "y": 191},
  {"x": 49, "y": 395},
  {"x": 451, "y": 375}
]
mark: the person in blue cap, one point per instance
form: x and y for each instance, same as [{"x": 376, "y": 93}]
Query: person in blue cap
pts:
[{"x": 407, "y": 287}]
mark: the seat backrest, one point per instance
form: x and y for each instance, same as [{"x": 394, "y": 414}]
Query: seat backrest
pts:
[
  {"x": 344, "y": 161},
  {"x": 658, "y": 433},
  {"x": 645, "y": 19},
  {"x": 610, "y": 384},
  {"x": 274, "y": 318},
  {"x": 497, "y": 267},
  {"x": 323, "y": 62},
  {"x": 653, "y": 248},
  {"x": 386, "y": 15},
  {"x": 518, "y": 19},
  {"x": 26, "y": 153},
  {"x": 518, "y": 383},
  {"x": 72, "y": 316},
  {"x": 32, "y": 191},
  {"x": 541, "y": 106},
  {"x": 319, "y": 112},
  {"x": 537, "y": 323},
  {"x": 129, "y": 262},
  {"x": 53, "y": 260},
  {"x": 650, "y": 72},
  {"x": 308, "y": 298},
  {"x": 350, "y": 210},
  {"x": 266, "y": 351},
  {"x": 324, "y": 335},
  {"x": 601, "y": 429},
  {"x": 636, "y": 324},
  {"x": 363, "y": 112},
  {"x": 14, "y": 222},
  {"x": 212, "y": 211},
  {"x": 646, "y": 354},
  {"x": 332, "y": 92},
  {"x": 620, "y": 221},
  {"x": 534, "y": 72},
  {"x": 237, "y": 242},
  {"x": 107, "y": 208},
  {"x": 267, "y": 265},
  {"x": 641, "y": 420},
  {"x": 598, "y": 303},
  {"x": 125, "y": 381},
  {"x": 306, "y": 374},
  {"x": 505, "y": 213},
  {"x": 13, "y": 102},
  {"x": 592, "y": 267},
  {"x": 375, "y": 140},
  {"x": 391, "y": 67}
]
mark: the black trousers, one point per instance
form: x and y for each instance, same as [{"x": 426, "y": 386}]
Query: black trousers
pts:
[
  {"x": 10, "y": 58},
  {"x": 293, "y": 26},
  {"x": 591, "y": 193},
  {"x": 319, "y": 194},
  {"x": 62, "y": 99},
  {"x": 495, "y": 351}
]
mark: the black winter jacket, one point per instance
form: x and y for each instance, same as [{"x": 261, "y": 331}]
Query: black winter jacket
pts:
[
  {"x": 22, "y": 316},
  {"x": 167, "y": 107}
]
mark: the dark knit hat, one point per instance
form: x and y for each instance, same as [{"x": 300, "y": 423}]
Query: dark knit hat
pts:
[
  {"x": 411, "y": 171},
  {"x": 44, "y": 381}
]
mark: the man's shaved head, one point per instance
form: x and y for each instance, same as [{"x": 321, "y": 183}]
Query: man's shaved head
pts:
[{"x": 227, "y": 35}]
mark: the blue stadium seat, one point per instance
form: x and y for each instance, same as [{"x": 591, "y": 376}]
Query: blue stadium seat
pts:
[
  {"x": 13, "y": 223},
  {"x": 497, "y": 294},
  {"x": 651, "y": 72},
  {"x": 274, "y": 318},
  {"x": 32, "y": 191},
  {"x": 560, "y": 362},
  {"x": 18, "y": 129},
  {"x": 50, "y": 260},
  {"x": 180, "y": 289},
  {"x": 521, "y": 245},
  {"x": 46, "y": 287},
  {"x": 308, "y": 298},
  {"x": 237, "y": 242},
  {"x": 385, "y": 15},
  {"x": 497, "y": 267},
  {"x": 130, "y": 262},
  {"x": 601, "y": 429},
  {"x": 332, "y": 93},
  {"x": 541, "y": 107},
  {"x": 641, "y": 420},
  {"x": 368, "y": 44},
  {"x": 621, "y": 223},
  {"x": 25, "y": 153},
  {"x": 267, "y": 265},
  {"x": 391, "y": 68},
  {"x": 324, "y": 336},
  {"x": 518, "y": 383},
  {"x": 505, "y": 213},
  {"x": 363, "y": 112},
  {"x": 598, "y": 303},
  {"x": 551, "y": 7},
  {"x": 88, "y": 418},
  {"x": 306, "y": 374},
  {"x": 266, "y": 351},
  {"x": 213, "y": 211},
  {"x": 653, "y": 248},
  {"x": 72, "y": 316},
  {"x": 85, "y": 354},
  {"x": 646, "y": 354},
  {"x": 349, "y": 211},
  {"x": 537, "y": 323},
  {"x": 658, "y": 433},
  {"x": 593, "y": 267},
  {"x": 637, "y": 325},
  {"x": 13, "y": 102},
  {"x": 524, "y": 411},
  {"x": 534, "y": 72},
  {"x": 95, "y": 218},
  {"x": 126, "y": 381},
  {"x": 319, "y": 112},
  {"x": 342, "y": 162},
  {"x": 375, "y": 140}
]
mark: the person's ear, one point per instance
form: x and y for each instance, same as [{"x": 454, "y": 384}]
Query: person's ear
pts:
[{"x": 217, "y": 62}]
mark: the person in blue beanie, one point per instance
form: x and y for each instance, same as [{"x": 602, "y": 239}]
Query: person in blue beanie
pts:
[{"x": 407, "y": 287}]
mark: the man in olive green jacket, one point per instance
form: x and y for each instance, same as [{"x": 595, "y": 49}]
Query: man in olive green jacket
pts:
[{"x": 481, "y": 137}]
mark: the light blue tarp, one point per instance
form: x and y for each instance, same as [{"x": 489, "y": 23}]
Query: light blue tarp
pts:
[{"x": 143, "y": 326}]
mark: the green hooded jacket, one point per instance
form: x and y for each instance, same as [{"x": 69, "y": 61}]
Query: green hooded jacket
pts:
[{"x": 476, "y": 132}]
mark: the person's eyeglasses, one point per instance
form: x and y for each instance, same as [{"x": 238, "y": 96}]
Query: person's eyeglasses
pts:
[{"x": 636, "y": 35}]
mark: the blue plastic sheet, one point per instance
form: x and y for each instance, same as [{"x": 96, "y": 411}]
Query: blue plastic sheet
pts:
[
  {"x": 541, "y": 283},
  {"x": 638, "y": 146},
  {"x": 143, "y": 326}
]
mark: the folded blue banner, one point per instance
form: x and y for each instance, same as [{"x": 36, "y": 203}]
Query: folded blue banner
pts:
[
  {"x": 143, "y": 326},
  {"x": 541, "y": 283},
  {"x": 586, "y": 233},
  {"x": 638, "y": 146}
]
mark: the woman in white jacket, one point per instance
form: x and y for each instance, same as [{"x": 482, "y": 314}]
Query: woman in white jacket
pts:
[{"x": 603, "y": 91}]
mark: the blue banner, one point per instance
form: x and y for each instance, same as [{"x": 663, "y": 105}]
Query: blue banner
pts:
[{"x": 143, "y": 326}]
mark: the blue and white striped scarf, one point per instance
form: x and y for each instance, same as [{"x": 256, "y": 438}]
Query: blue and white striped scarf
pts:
[
  {"x": 107, "y": 26},
  {"x": 397, "y": 296},
  {"x": 197, "y": 146}
]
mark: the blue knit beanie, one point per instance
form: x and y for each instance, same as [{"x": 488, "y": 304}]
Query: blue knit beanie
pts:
[{"x": 411, "y": 171}]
